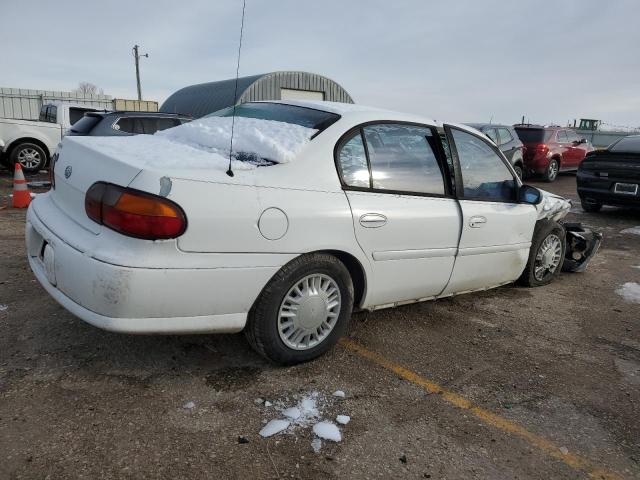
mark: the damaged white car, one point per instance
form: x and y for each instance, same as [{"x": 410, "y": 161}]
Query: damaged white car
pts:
[{"x": 325, "y": 208}]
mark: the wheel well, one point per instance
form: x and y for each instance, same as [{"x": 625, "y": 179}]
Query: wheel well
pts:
[
  {"x": 356, "y": 271},
  {"x": 558, "y": 158},
  {"x": 20, "y": 141}
]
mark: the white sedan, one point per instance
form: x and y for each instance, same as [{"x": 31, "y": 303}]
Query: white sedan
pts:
[{"x": 324, "y": 208}]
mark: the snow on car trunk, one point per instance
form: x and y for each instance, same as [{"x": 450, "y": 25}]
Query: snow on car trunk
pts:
[{"x": 187, "y": 151}]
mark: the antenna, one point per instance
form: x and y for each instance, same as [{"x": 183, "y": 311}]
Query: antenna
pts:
[{"x": 235, "y": 90}]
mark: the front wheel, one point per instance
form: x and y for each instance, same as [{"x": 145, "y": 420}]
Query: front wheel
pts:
[
  {"x": 546, "y": 255},
  {"x": 303, "y": 310},
  {"x": 519, "y": 171},
  {"x": 552, "y": 170}
]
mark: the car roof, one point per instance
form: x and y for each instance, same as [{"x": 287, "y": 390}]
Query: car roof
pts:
[
  {"x": 361, "y": 113},
  {"x": 136, "y": 114},
  {"x": 479, "y": 126}
]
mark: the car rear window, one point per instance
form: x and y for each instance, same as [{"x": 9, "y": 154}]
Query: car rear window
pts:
[
  {"x": 533, "y": 135},
  {"x": 85, "y": 124},
  {"x": 305, "y": 117},
  {"x": 627, "y": 145}
]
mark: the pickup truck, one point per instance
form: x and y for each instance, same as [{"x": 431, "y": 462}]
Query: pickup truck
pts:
[{"x": 32, "y": 143}]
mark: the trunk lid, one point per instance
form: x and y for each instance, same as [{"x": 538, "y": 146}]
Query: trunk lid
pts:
[
  {"x": 79, "y": 166},
  {"x": 618, "y": 166}
]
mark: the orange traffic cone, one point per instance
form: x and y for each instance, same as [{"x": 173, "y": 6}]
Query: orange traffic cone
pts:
[{"x": 21, "y": 193}]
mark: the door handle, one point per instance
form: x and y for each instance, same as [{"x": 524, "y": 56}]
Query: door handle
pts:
[
  {"x": 477, "y": 222},
  {"x": 373, "y": 220}
]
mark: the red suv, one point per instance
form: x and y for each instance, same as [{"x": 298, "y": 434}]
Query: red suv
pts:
[{"x": 549, "y": 150}]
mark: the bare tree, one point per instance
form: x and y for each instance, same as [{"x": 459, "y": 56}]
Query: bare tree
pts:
[{"x": 86, "y": 88}]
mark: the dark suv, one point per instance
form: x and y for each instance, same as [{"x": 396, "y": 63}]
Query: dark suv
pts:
[
  {"x": 505, "y": 137},
  {"x": 550, "y": 150},
  {"x": 107, "y": 124}
]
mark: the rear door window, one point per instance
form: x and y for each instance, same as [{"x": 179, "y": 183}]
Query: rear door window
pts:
[
  {"x": 403, "y": 158},
  {"x": 484, "y": 174},
  {"x": 505, "y": 136},
  {"x": 353, "y": 162},
  {"x": 562, "y": 137}
]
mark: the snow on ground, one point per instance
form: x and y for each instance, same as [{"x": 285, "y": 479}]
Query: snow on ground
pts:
[
  {"x": 343, "y": 419},
  {"x": 338, "y": 393},
  {"x": 189, "y": 405},
  {"x": 204, "y": 144},
  {"x": 274, "y": 426},
  {"x": 4, "y": 307},
  {"x": 630, "y": 291},
  {"x": 306, "y": 412},
  {"x": 328, "y": 431},
  {"x": 632, "y": 230}
]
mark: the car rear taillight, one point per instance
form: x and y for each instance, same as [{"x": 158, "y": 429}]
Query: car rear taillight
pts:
[
  {"x": 134, "y": 213},
  {"x": 542, "y": 148}
]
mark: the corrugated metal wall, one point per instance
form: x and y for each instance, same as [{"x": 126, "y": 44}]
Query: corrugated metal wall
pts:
[
  {"x": 268, "y": 87},
  {"x": 25, "y": 104}
]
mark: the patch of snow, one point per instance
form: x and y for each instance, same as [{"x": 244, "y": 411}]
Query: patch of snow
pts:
[
  {"x": 189, "y": 405},
  {"x": 328, "y": 431},
  {"x": 343, "y": 419},
  {"x": 274, "y": 426},
  {"x": 271, "y": 140},
  {"x": 632, "y": 230},
  {"x": 316, "y": 444},
  {"x": 267, "y": 403},
  {"x": 4, "y": 308},
  {"x": 258, "y": 401},
  {"x": 630, "y": 291},
  {"x": 338, "y": 393},
  {"x": 293, "y": 413}
]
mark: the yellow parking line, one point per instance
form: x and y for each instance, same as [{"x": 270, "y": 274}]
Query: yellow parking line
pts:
[{"x": 574, "y": 461}]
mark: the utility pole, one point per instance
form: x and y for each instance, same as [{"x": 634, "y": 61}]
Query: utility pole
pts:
[{"x": 137, "y": 56}]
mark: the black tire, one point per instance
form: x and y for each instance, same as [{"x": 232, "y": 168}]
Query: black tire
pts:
[
  {"x": 519, "y": 171},
  {"x": 544, "y": 229},
  {"x": 590, "y": 206},
  {"x": 262, "y": 325},
  {"x": 551, "y": 173},
  {"x": 31, "y": 157}
]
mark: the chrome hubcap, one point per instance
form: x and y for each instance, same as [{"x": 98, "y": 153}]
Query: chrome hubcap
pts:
[
  {"x": 553, "y": 169},
  {"x": 548, "y": 257},
  {"x": 29, "y": 157},
  {"x": 309, "y": 312}
]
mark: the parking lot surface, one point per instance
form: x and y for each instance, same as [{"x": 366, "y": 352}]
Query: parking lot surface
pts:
[{"x": 509, "y": 383}]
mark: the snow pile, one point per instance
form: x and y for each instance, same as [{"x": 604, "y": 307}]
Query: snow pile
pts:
[
  {"x": 630, "y": 291},
  {"x": 189, "y": 405},
  {"x": 4, "y": 308},
  {"x": 343, "y": 419},
  {"x": 204, "y": 144},
  {"x": 328, "y": 431},
  {"x": 279, "y": 142},
  {"x": 307, "y": 412},
  {"x": 273, "y": 427},
  {"x": 632, "y": 230}
]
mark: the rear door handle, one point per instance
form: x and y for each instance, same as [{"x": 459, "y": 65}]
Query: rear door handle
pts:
[
  {"x": 373, "y": 220},
  {"x": 477, "y": 222}
]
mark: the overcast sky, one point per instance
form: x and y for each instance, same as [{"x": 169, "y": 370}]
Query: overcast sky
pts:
[{"x": 451, "y": 60}]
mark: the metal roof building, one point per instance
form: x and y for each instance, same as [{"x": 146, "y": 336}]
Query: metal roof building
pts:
[{"x": 199, "y": 100}]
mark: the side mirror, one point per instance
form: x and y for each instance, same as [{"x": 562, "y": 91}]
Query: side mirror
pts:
[{"x": 529, "y": 194}]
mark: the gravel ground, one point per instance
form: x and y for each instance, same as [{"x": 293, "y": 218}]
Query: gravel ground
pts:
[{"x": 561, "y": 362}]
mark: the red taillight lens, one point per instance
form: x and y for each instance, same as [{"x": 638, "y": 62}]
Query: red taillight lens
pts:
[
  {"x": 542, "y": 147},
  {"x": 134, "y": 213}
]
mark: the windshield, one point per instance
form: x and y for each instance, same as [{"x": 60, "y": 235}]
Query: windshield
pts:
[
  {"x": 305, "y": 117},
  {"x": 533, "y": 135}
]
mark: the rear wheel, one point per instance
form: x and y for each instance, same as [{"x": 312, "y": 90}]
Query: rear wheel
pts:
[
  {"x": 303, "y": 311},
  {"x": 31, "y": 157},
  {"x": 552, "y": 170},
  {"x": 546, "y": 255},
  {"x": 519, "y": 171}
]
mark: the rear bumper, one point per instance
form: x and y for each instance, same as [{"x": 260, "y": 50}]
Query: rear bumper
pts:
[
  {"x": 537, "y": 163},
  {"x": 601, "y": 190},
  {"x": 141, "y": 300}
]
